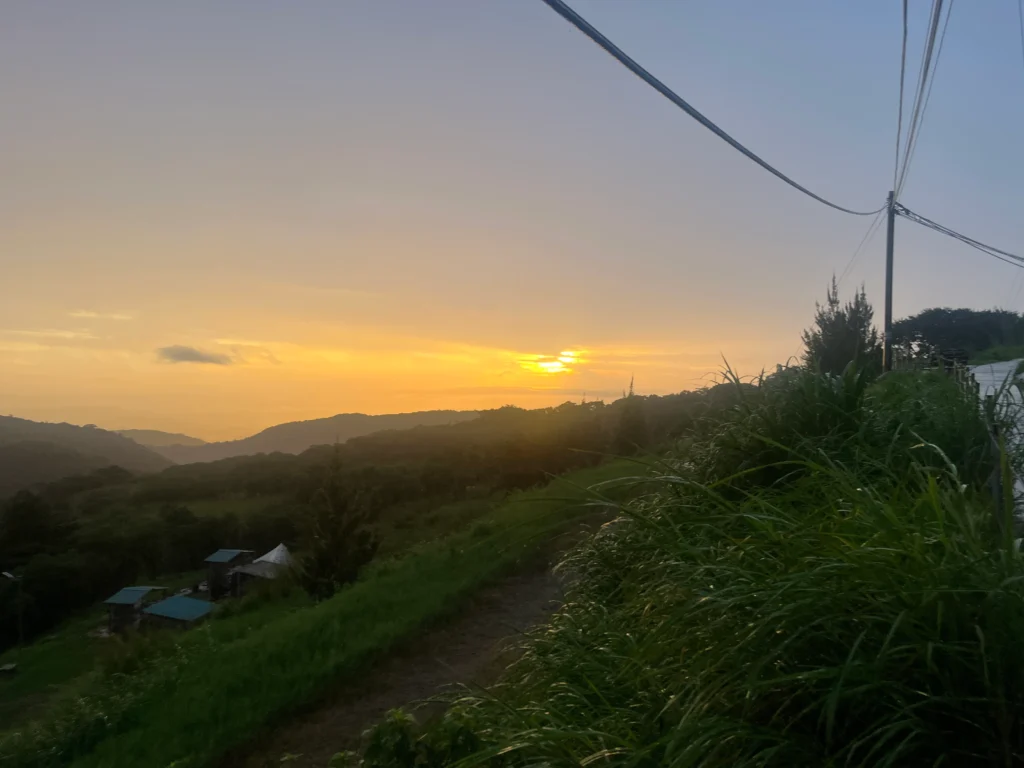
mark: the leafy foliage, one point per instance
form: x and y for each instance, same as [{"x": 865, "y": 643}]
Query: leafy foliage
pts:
[
  {"x": 337, "y": 540},
  {"x": 843, "y": 334},
  {"x": 974, "y": 331}
]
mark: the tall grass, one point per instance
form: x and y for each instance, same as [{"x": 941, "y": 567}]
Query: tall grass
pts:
[
  {"x": 824, "y": 584},
  {"x": 222, "y": 683}
]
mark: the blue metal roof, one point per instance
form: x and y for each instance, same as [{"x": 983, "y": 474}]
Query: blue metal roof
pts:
[
  {"x": 181, "y": 608},
  {"x": 226, "y": 555},
  {"x": 129, "y": 595}
]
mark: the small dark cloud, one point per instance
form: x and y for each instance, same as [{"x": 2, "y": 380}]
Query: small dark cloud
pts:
[{"x": 182, "y": 354}]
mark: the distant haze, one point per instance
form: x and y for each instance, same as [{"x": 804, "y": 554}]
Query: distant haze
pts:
[{"x": 297, "y": 436}]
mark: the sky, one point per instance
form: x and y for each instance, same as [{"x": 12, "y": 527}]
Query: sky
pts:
[{"x": 215, "y": 217}]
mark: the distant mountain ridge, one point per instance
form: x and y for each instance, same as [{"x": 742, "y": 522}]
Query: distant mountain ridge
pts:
[
  {"x": 154, "y": 438},
  {"x": 34, "y": 452},
  {"x": 297, "y": 436}
]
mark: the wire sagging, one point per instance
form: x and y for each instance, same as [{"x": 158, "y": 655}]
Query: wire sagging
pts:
[{"x": 590, "y": 31}]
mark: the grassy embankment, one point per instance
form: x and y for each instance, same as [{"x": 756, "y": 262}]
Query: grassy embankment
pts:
[
  {"x": 188, "y": 702},
  {"x": 58, "y": 664},
  {"x": 825, "y": 582}
]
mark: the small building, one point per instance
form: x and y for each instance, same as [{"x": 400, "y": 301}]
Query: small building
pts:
[
  {"x": 123, "y": 607},
  {"x": 220, "y": 564},
  {"x": 177, "y": 612},
  {"x": 268, "y": 566}
]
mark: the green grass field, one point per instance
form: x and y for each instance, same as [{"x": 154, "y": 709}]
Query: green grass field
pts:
[{"x": 191, "y": 699}]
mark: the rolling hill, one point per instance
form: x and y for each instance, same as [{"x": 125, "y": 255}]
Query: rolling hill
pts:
[
  {"x": 154, "y": 438},
  {"x": 34, "y": 452},
  {"x": 297, "y": 436}
]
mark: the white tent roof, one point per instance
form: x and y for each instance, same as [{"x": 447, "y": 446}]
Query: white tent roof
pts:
[{"x": 279, "y": 555}]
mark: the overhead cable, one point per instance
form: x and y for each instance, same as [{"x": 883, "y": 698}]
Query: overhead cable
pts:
[
  {"x": 872, "y": 229},
  {"x": 587, "y": 29},
  {"x": 931, "y": 84},
  {"x": 1020, "y": 18},
  {"x": 922, "y": 79},
  {"x": 925, "y": 83},
  {"x": 903, "y": 76},
  {"x": 1006, "y": 256}
]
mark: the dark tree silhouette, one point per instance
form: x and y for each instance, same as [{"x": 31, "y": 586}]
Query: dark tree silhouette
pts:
[
  {"x": 337, "y": 540},
  {"x": 631, "y": 431},
  {"x": 842, "y": 334}
]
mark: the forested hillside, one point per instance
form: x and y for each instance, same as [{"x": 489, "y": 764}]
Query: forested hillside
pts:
[
  {"x": 34, "y": 452},
  {"x": 297, "y": 436},
  {"x": 154, "y": 438}
]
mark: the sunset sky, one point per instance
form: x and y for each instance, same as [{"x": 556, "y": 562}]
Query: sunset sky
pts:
[{"x": 215, "y": 217}]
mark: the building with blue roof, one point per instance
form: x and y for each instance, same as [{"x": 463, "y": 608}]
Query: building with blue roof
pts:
[
  {"x": 227, "y": 555},
  {"x": 219, "y": 565},
  {"x": 123, "y": 607},
  {"x": 177, "y": 611}
]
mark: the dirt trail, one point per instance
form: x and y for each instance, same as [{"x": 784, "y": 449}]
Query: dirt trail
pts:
[{"x": 466, "y": 650}]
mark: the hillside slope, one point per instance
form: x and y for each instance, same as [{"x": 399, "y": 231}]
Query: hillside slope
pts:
[
  {"x": 28, "y": 463},
  {"x": 297, "y": 436},
  {"x": 154, "y": 438},
  {"x": 103, "y": 448}
]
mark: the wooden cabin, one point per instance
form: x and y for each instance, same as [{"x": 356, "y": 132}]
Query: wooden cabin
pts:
[
  {"x": 219, "y": 566},
  {"x": 123, "y": 607}
]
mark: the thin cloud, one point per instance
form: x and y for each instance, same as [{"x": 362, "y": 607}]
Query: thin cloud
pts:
[
  {"x": 178, "y": 353},
  {"x": 87, "y": 314},
  {"x": 52, "y": 333}
]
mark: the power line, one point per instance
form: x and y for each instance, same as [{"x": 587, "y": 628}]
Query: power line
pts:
[
  {"x": 922, "y": 77},
  {"x": 928, "y": 95},
  {"x": 567, "y": 13},
  {"x": 996, "y": 253},
  {"x": 872, "y": 229},
  {"x": 903, "y": 75},
  {"x": 1020, "y": 17},
  {"x": 926, "y": 80}
]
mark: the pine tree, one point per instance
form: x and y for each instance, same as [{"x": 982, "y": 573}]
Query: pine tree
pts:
[
  {"x": 631, "y": 433},
  {"x": 843, "y": 333}
]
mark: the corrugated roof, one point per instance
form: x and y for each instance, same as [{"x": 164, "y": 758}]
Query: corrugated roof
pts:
[
  {"x": 279, "y": 555},
  {"x": 226, "y": 555},
  {"x": 129, "y": 595},
  {"x": 181, "y": 608}
]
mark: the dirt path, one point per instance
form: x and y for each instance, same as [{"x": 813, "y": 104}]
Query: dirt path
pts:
[{"x": 466, "y": 650}]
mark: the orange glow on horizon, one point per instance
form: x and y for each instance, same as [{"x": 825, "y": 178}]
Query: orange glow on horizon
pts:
[{"x": 563, "y": 362}]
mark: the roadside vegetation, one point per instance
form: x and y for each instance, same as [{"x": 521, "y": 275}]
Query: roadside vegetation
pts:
[{"x": 824, "y": 580}]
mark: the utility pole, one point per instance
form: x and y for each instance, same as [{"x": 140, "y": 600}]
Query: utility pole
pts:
[{"x": 887, "y": 347}]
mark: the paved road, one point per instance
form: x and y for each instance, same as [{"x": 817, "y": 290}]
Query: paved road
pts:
[{"x": 993, "y": 375}]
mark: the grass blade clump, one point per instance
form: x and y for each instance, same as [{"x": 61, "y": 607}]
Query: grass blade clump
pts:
[{"x": 823, "y": 584}]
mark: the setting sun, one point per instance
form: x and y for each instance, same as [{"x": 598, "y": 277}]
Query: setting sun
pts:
[{"x": 548, "y": 364}]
